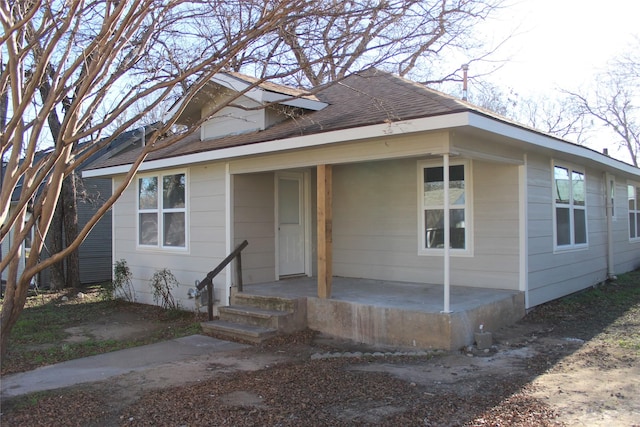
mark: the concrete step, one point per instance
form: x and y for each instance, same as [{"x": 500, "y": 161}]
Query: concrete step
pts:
[
  {"x": 253, "y": 316},
  {"x": 266, "y": 302},
  {"x": 250, "y": 333}
]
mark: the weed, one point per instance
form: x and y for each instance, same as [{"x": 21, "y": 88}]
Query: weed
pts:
[
  {"x": 162, "y": 282},
  {"x": 121, "y": 286}
]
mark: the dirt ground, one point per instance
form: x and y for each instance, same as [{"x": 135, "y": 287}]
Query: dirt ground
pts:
[{"x": 568, "y": 371}]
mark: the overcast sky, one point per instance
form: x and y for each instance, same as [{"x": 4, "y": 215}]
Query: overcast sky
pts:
[{"x": 562, "y": 43}]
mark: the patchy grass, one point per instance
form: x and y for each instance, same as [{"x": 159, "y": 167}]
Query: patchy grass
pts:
[
  {"x": 615, "y": 303},
  {"x": 39, "y": 337}
]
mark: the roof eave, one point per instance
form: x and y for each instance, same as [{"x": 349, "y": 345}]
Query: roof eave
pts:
[{"x": 471, "y": 119}]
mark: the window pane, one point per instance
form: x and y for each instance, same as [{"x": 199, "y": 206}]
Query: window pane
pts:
[
  {"x": 434, "y": 186},
  {"x": 632, "y": 197},
  {"x": 288, "y": 201},
  {"x": 148, "y": 229},
  {"x": 457, "y": 227},
  {"x": 28, "y": 239},
  {"x": 563, "y": 234},
  {"x": 637, "y": 224},
  {"x": 434, "y": 220},
  {"x": 456, "y": 185},
  {"x": 577, "y": 180},
  {"x": 174, "y": 227},
  {"x": 562, "y": 184},
  {"x": 434, "y": 233},
  {"x": 632, "y": 225},
  {"x": 148, "y": 193},
  {"x": 456, "y": 173},
  {"x": 173, "y": 191},
  {"x": 580, "y": 226}
]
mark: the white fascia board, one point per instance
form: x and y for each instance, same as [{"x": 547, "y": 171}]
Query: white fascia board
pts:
[
  {"x": 543, "y": 141},
  {"x": 425, "y": 124},
  {"x": 265, "y": 96},
  {"x": 345, "y": 135},
  {"x": 279, "y": 98}
]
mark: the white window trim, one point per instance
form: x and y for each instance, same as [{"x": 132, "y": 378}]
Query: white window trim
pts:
[
  {"x": 636, "y": 186},
  {"x": 159, "y": 210},
  {"x": 468, "y": 211},
  {"x": 572, "y": 246}
]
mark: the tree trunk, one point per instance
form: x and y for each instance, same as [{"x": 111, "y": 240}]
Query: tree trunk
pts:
[
  {"x": 70, "y": 224},
  {"x": 57, "y": 279},
  {"x": 64, "y": 229},
  {"x": 12, "y": 304}
]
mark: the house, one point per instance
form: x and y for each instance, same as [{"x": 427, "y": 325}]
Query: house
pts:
[
  {"x": 342, "y": 195},
  {"x": 95, "y": 252}
]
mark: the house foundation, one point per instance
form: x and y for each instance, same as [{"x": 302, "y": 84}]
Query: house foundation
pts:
[
  {"x": 400, "y": 315},
  {"x": 397, "y": 327}
]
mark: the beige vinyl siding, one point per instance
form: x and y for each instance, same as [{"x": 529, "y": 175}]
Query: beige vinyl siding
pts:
[
  {"x": 375, "y": 226},
  {"x": 554, "y": 274},
  {"x": 626, "y": 253},
  {"x": 233, "y": 120},
  {"x": 205, "y": 236},
  {"x": 5, "y": 250},
  {"x": 394, "y": 146},
  {"x": 254, "y": 221},
  {"x": 6, "y": 244}
]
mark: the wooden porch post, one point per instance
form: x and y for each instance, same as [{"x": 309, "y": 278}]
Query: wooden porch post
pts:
[{"x": 325, "y": 226}]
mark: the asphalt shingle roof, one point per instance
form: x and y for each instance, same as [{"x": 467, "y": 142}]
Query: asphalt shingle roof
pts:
[{"x": 366, "y": 98}]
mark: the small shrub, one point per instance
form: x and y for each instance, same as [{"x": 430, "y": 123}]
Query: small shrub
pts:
[
  {"x": 162, "y": 282},
  {"x": 121, "y": 286}
]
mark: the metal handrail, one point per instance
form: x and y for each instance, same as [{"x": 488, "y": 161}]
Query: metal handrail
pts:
[{"x": 208, "y": 280}]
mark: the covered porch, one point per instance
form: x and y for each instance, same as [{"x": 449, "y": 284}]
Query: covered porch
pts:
[
  {"x": 402, "y": 250},
  {"x": 398, "y": 314}
]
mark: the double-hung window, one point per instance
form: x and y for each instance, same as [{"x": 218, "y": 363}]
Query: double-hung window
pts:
[
  {"x": 162, "y": 213},
  {"x": 633, "y": 191},
  {"x": 570, "y": 207},
  {"x": 432, "y": 205}
]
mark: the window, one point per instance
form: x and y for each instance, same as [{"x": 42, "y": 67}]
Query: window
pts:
[
  {"x": 433, "y": 203},
  {"x": 162, "y": 219},
  {"x": 28, "y": 240},
  {"x": 634, "y": 211},
  {"x": 570, "y": 207}
]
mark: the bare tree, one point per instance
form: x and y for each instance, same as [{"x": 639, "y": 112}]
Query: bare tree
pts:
[
  {"x": 407, "y": 37},
  {"x": 557, "y": 114},
  {"x": 615, "y": 103},
  {"x": 87, "y": 63},
  {"x": 83, "y": 68}
]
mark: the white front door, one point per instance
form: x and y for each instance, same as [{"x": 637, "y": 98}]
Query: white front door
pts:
[{"x": 290, "y": 224}]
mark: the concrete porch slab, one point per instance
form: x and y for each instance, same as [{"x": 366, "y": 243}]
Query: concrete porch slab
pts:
[{"x": 398, "y": 314}]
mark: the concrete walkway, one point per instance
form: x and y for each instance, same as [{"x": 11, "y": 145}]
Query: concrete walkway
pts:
[{"x": 103, "y": 366}]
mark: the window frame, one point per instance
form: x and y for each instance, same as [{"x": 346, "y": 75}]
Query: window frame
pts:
[
  {"x": 468, "y": 211},
  {"x": 636, "y": 212},
  {"x": 571, "y": 205},
  {"x": 160, "y": 211}
]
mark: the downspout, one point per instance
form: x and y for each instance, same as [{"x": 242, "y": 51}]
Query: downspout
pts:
[
  {"x": 228, "y": 231},
  {"x": 610, "y": 192},
  {"x": 447, "y": 237},
  {"x": 524, "y": 232}
]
